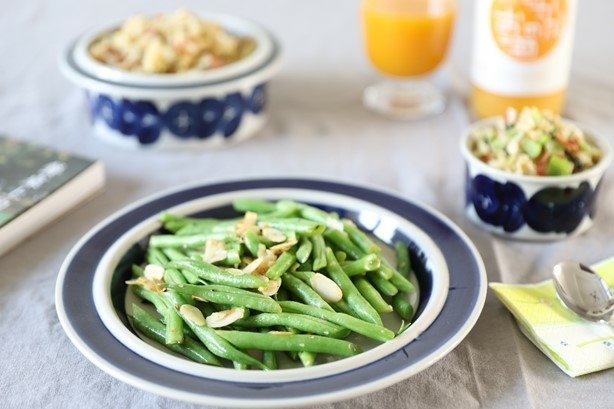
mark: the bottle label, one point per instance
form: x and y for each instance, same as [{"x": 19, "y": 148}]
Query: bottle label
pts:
[{"x": 523, "y": 47}]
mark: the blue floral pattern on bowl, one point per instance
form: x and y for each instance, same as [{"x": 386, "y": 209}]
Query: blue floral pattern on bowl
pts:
[
  {"x": 549, "y": 210},
  {"x": 497, "y": 203},
  {"x": 185, "y": 119}
]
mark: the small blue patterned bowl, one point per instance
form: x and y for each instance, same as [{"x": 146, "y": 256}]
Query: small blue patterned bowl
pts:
[
  {"x": 208, "y": 109},
  {"x": 536, "y": 208}
]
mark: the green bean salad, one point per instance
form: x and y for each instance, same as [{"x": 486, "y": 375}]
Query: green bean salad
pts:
[
  {"x": 284, "y": 278},
  {"x": 534, "y": 142}
]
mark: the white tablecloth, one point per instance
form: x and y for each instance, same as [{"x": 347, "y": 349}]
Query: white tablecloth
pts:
[{"x": 318, "y": 127}]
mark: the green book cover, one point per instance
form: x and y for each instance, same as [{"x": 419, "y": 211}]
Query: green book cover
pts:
[{"x": 29, "y": 173}]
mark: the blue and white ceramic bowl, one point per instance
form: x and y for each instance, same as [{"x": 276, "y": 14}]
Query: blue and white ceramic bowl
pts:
[
  {"x": 212, "y": 108},
  {"x": 536, "y": 208},
  {"x": 92, "y": 302}
]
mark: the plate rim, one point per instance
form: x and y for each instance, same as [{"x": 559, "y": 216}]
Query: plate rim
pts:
[{"x": 345, "y": 393}]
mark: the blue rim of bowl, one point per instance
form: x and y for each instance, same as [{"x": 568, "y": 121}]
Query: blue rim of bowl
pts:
[
  {"x": 78, "y": 316},
  {"x": 67, "y": 59}
]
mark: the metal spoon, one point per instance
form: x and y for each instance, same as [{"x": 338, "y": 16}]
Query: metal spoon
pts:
[{"x": 584, "y": 292}]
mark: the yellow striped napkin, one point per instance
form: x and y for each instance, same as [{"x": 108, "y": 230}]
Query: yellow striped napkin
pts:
[{"x": 575, "y": 345}]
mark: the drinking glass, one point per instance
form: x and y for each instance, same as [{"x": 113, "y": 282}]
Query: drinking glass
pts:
[{"x": 406, "y": 40}]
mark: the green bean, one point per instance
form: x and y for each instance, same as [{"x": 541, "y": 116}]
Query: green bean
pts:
[
  {"x": 370, "y": 262},
  {"x": 360, "y": 238},
  {"x": 303, "y": 275},
  {"x": 155, "y": 330},
  {"x": 372, "y": 295},
  {"x": 253, "y": 205},
  {"x": 340, "y": 256},
  {"x": 252, "y": 243},
  {"x": 402, "y": 306},
  {"x": 300, "y": 226},
  {"x": 306, "y": 266},
  {"x": 220, "y": 346},
  {"x": 155, "y": 256},
  {"x": 301, "y": 322},
  {"x": 239, "y": 366},
  {"x": 403, "y": 261},
  {"x": 282, "y": 294},
  {"x": 344, "y": 307},
  {"x": 174, "y": 327},
  {"x": 341, "y": 241},
  {"x": 269, "y": 358},
  {"x": 174, "y": 323},
  {"x": 307, "y": 358},
  {"x": 352, "y": 323},
  {"x": 290, "y": 342},
  {"x": 356, "y": 301},
  {"x": 193, "y": 241},
  {"x": 172, "y": 276},
  {"x": 318, "y": 255},
  {"x": 281, "y": 265},
  {"x": 137, "y": 271},
  {"x": 174, "y": 255},
  {"x": 214, "y": 274},
  {"x": 304, "y": 292},
  {"x": 330, "y": 220},
  {"x": 252, "y": 301},
  {"x": 304, "y": 250},
  {"x": 155, "y": 298},
  {"x": 400, "y": 282},
  {"x": 383, "y": 286}
]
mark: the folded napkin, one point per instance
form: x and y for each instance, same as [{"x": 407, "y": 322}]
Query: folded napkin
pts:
[{"x": 575, "y": 345}]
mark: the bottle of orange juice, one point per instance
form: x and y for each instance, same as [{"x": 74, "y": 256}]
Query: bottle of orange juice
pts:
[{"x": 521, "y": 54}]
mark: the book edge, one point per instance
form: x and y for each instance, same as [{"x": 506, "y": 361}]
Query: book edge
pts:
[{"x": 78, "y": 190}]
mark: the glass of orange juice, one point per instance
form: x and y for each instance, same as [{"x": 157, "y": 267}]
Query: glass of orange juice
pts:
[{"x": 406, "y": 40}]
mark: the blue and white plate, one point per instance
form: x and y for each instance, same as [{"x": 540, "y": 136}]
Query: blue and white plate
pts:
[{"x": 92, "y": 304}]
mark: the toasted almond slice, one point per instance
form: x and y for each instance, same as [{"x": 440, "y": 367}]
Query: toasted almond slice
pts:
[
  {"x": 269, "y": 259},
  {"x": 248, "y": 222},
  {"x": 192, "y": 314},
  {"x": 276, "y": 236},
  {"x": 253, "y": 266},
  {"x": 261, "y": 250},
  {"x": 154, "y": 272},
  {"x": 281, "y": 332},
  {"x": 271, "y": 288},
  {"x": 326, "y": 288},
  {"x": 214, "y": 251},
  {"x": 234, "y": 271},
  {"x": 156, "y": 286},
  {"x": 283, "y": 247},
  {"x": 223, "y": 318}
]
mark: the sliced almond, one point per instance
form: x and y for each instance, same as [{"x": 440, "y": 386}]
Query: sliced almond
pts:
[
  {"x": 154, "y": 272},
  {"x": 281, "y": 332},
  {"x": 247, "y": 223},
  {"x": 192, "y": 314},
  {"x": 326, "y": 288},
  {"x": 283, "y": 247},
  {"x": 235, "y": 271},
  {"x": 271, "y": 288},
  {"x": 268, "y": 260},
  {"x": 215, "y": 251},
  {"x": 261, "y": 250},
  {"x": 276, "y": 236},
  {"x": 253, "y": 266},
  {"x": 223, "y": 318},
  {"x": 156, "y": 286}
]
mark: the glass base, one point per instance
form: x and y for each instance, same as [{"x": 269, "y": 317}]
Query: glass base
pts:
[{"x": 404, "y": 100}]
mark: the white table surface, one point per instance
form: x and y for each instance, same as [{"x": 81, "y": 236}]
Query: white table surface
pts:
[{"x": 318, "y": 127}]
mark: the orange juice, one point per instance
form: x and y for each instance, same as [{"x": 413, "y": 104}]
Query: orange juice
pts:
[
  {"x": 485, "y": 104},
  {"x": 521, "y": 54},
  {"x": 407, "y": 38}
]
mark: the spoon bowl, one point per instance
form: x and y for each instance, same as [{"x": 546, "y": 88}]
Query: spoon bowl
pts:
[{"x": 582, "y": 291}]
